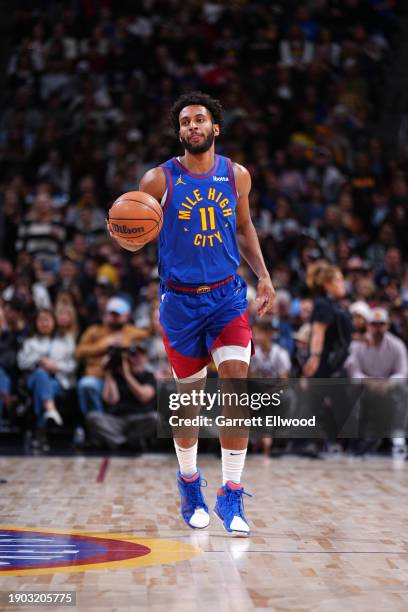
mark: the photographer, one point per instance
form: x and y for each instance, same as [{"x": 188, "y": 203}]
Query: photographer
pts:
[
  {"x": 95, "y": 344},
  {"x": 129, "y": 391}
]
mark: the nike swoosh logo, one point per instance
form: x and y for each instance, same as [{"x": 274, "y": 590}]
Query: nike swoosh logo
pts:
[{"x": 236, "y": 453}]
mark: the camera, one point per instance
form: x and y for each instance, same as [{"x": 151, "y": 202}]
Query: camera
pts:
[{"x": 115, "y": 358}]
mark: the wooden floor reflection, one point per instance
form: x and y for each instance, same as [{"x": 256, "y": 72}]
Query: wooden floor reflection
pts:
[{"x": 327, "y": 535}]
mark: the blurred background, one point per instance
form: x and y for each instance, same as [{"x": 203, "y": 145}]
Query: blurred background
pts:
[{"x": 315, "y": 107}]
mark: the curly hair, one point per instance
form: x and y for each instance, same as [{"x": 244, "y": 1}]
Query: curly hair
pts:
[{"x": 196, "y": 97}]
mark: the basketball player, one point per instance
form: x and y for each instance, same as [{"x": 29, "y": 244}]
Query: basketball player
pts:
[{"x": 203, "y": 314}]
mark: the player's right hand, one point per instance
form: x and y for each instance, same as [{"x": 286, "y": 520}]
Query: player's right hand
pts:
[
  {"x": 108, "y": 228},
  {"x": 265, "y": 295}
]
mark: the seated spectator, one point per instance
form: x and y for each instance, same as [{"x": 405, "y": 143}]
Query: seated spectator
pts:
[
  {"x": 392, "y": 268},
  {"x": 94, "y": 346},
  {"x": 270, "y": 359},
  {"x": 129, "y": 390},
  {"x": 383, "y": 357},
  {"x": 42, "y": 234},
  {"x": 142, "y": 313},
  {"x": 156, "y": 352},
  {"x": 67, "y": 320},
  {"x": 361, "y": 315},
  {"x": 47, "y": 358},
  {"x": 283, "y": 306},
  {"x": 32, "y": 293},
  {"x": 13, "y": 330},
  {"x": 301, "y": 354}
]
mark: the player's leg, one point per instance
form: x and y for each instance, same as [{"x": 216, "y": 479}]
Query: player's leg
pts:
[
  {"x": 234, "y": 441},
  {"x": 194, "y": 509},
  {"x": 229, "y": 339},
  {"x": 188, "y": 356}
]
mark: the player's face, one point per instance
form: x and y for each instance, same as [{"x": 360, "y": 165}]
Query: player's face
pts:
[{"x": 197, "y": 130}]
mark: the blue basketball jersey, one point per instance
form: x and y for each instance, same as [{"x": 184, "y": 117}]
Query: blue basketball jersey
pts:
[{"x": 198, "y": 244}]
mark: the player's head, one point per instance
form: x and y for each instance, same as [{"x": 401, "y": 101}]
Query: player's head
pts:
[{"x": 196, "y": 119}]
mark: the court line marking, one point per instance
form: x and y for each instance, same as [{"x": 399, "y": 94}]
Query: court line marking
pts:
[{"x": 102, "y": 470}]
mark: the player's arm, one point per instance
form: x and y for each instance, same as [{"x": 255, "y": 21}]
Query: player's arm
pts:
[
  {"x": 154, "y": 183},
  {"x": 248, "y": 241}
]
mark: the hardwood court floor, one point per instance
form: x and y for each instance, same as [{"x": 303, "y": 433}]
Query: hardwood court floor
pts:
[{"x": 327, "y": 535}]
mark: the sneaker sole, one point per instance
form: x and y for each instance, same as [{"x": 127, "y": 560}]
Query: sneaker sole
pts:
[
  {"x": 193, "y": 526},
  {"x": 233, "y": 532}
]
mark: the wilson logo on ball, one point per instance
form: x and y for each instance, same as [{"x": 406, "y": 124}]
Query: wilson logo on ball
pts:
[{"x": 124, "y": 229}]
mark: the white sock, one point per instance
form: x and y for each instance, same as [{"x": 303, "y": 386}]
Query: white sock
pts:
[
  {"x": 187, "y": 458},
  {"x": 232, "y": 464}
]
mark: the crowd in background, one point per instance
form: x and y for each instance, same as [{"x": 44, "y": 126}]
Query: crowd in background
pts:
[{"x": 85, "y": 114}]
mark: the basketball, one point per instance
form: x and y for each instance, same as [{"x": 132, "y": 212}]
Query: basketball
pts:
[{"x": 134, "y": 219}]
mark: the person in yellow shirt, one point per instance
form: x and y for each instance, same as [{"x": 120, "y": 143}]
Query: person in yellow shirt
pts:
[{"x": 94, "y": 347}]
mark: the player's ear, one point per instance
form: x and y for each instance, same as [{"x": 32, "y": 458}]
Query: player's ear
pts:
[{"x": 216, "y": 128}]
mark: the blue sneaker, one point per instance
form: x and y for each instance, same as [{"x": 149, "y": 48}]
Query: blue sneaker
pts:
[
  {"x": 194, "y": 510},
  {"x": 230, "y": 508}
]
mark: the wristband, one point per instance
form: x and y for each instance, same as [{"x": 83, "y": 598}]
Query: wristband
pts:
[{"x": 315, "y": 354}]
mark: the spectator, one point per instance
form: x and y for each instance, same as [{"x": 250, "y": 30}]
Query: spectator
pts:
[
  {"x": 13, "y": 331},
  {"x": 392, "y": 268},
  {"x": 380, "y": 364},
  {"x": 47, "y": 359},
  {"x": 66, "y": 318},
  {"x": 94, "y": 345},
  {"x": 361, "y": 315},
  {"x": 270, "y": 359},
  {"x": 384, "y": 357},
  {"x": 129, "y": 391},
  {"x": 42, "y": 234},
  {"x": 301, "y": 354},
  {"x": 29, "y": 291},
  {"x": 283, "y": 322},
  {"x": 156, "y": 353}
]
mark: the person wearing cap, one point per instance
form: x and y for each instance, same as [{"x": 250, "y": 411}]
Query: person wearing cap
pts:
[
  {"x": 94, "y": 346},
  {"x": 384, "y": 357},
  {"x": 129, "y": 392},
  {"x": 361, "y": 314}
]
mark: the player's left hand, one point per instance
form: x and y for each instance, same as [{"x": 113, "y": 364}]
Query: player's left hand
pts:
[{"x": 265, "y": 295}]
